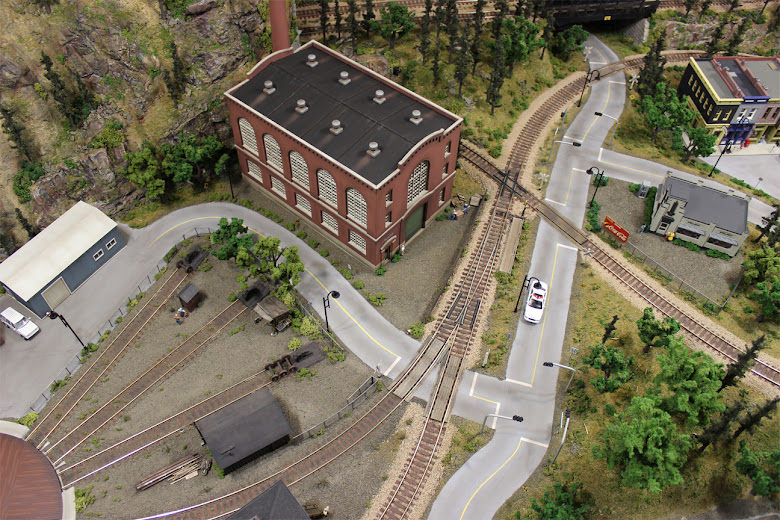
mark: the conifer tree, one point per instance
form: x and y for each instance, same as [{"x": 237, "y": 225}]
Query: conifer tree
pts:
[
  {"x": 496, "y": 77},
  {"x": 689, "y": 5},
  {"x": 324, "y": 12},
  {"x": 769, "y": 222},
  {"x": 745, "y": 361},
  {"x": 462, "y": 60},
  {"x": 425, "y": 30},
  {"x": 17, "y": 133},
  {"x": 720, "y": 430},
  {"x": 609, "y": 329},
  {"x": 652, "y": 72},
  {"x": 476, "y": 44},
  {"x": 352, "y": 21},
  {"x": 452, "y": 26},
  {"x": 31, "y": 230},
  {"x": 705, "y": 5},
  {"x": 733, "y": 5},
  {"x": 337, "y": 18},
  {"x": 714, "y": 44},
  {"x": 738, "y": 37},
  {"x": 368, "y": 16},
  {"x": 440, "y": 16},
  {"x": 520, "y": 8},
  {"x": 435, "y": 66},
  {"x": 548, "y": 34},
  {"x": 502, "y": 8},
  {"x": 754, "y": 418}
]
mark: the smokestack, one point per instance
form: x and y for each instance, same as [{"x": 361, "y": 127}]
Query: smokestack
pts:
[{"x": 280, "y": 27}]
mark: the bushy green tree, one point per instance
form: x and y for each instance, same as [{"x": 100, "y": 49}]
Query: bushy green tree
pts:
[
  {"x": 231, "y": 235},
  {"x": 613, "y": 363},
  {"x": 655, "y": 333},
  {"x": 563, "y": 502},
  {"x": 762, "y": 468},
  {"x": 768, "y": 298},
  {"x": 691, "y": 380},
  {"x": 521, "y": 38},
  {"x": 644, "y": 445},
  {"x": 762, "y": 265},
  {"x": 568, "y": 41},
  {"x": 664, "y": 111},
  {"x": 395, "y": 21},
  {"x": 700, "y": 142}
]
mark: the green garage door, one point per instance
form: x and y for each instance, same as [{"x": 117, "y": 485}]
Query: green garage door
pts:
[
  {"x": 56, "y": 293},
  {"x": 415, "y": 222}
]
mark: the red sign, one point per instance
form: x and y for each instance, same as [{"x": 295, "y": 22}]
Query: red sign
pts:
[{"x": 615, "y": 229}]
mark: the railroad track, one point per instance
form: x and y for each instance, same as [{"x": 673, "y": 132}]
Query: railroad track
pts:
[
  {"x": 105, "y": 359},
  {"x": 166, "y": 366},
  {"x": 146, "y": 438}
]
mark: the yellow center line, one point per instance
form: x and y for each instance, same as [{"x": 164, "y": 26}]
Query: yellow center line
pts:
[
  {"x": 312, "y": 275},
  {"x": 483, "y": 399},
  {"x": 544, "y": 321},
  {"x": 568, "y": 190},
  {"x": 602, "y": 56},
  {"x": 632, "y": 169},
  {"x": 490, "y": 477},
  {"x": 609, "y": 88}
]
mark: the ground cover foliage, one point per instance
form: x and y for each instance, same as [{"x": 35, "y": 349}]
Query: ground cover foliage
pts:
[{"x": 666, "y": 439}]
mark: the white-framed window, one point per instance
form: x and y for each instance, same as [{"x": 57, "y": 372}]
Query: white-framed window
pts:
[
  {"x": 111, "y": 243},
  {"x": 97, "y": 256},
  {"x": 418, "y": 182},
  {"x": 447, "y": 149},
  {"x": 444, "y": 171},
  {"x": 279, "y": 187},
  {"x": 330, "y": 222},
  {"x": 303, "y": 204},
  {"x": 356, "y": 207},
  {"x": 248, "y": 138},
  {"x": 273, "y": 155},
  {"x": 389, "y": 198},
  {"x": 389, "y": 217},
  {"x": 751, "y": 113},
  {"x": 327, "y": 187},
  {"x": 441, "y": 196},
  {"x": 357, "y": 241},
  {"x": 300, "y": 171},
  {"x": 255, "y": 172}
]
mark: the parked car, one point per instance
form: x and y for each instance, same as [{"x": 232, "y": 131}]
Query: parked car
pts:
[
  {"x": 20, "y": 324},
  {"x": 537, "y": 298}
]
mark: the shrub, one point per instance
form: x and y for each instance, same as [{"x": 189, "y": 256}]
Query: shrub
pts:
[
  {"x": 110, "y": 136},
  {"x": 59, "y": 383},
  {"x": 290, "y": 226},
  {"x": 324, "y": 253},
  {"x": 159, "y": 274},
  {"x": 357, "y": 284},
  {"x": 381, "y": 271},
  {"x": 310, "y": 328},
  {"x": 232, "y": 297},
  {"x": 601, "y": 180},
  {"x": 416, "y": 330},
  {"x": 634, "y": 187},
  {"x": 240, "y": 278},
  {"x": 205, "y": 267},
  {"x": 377, "y": 299},
  {"x": 687, "y": 245},
  {"x": 313, "y": 243},
  {"x": 396, "y": 258},
  {"x": 593, "y": 222},
  {"x": 301, "y": 234},
  {"x": 294, "y": 344},
  {"x": 334, "y": 354},
  {"x": 86, "y": 351},
  {"x": 335, "y": 262},
  {"x": 29, "y": 173},
  {"x": 306, "y": 373},
  {"x": 345, "y": 273},
  {"x": 649, "y": 203},
  {"x": 170, "y": 254},
  {"x": 84, "y": 498},
  {"x": 716, "y": 254},
  {"x": 28, "y": 420}
]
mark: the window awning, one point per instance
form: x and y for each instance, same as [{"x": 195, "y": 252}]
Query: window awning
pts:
[
  {"x": 688, "y": 227},
  {"x": 724, "y": 238}
]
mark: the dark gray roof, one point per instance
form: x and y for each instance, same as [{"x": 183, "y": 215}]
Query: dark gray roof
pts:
[
  {"x": 362, "y": 119},
  {"x": 275, "y": 503},
  {"x": 243, "y": 428},
  {"x": 707, "y": 205},
  {"x": 739, "y": 77}
]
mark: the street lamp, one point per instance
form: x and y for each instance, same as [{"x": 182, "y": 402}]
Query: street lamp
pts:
[
  {"x": 326, "y": 305},
  {"x": 573, "y": 370},
  {"x": 599, "y": 178},
  {"x": 759, "y": 182},
  {"x": 575, "y": 143},
  {"x": 588, "y": 79},
  {"x": 617, "y": 122},
  {"x": 53, "y": 315},
  {"x": 727, "y": 147},
  {"x": 513, "y": 418}
]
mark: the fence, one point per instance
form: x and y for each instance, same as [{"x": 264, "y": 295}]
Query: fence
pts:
[
  {"x": 673, "y": 279},
  {"x": 357, "y": 397}
]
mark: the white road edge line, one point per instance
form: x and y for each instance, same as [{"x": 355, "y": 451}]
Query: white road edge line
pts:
[
  {"x": 473, "y": 384},
  {"x": 568, "y": 247},
  {"x": 579, "y": 170},
  {"x": 555, "y": 202},
  {"x": 397, "y": 359},
  {"x": 495, "y": 419},
  {"x": 601, "y": 150},
  {"x": 545, "y": 446},
  {"x": 618, "y": 82},
  {"x": 514, "y": 382}
]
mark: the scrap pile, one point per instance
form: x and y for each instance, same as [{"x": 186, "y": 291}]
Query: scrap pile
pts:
[{"x": 185, "y": 468}]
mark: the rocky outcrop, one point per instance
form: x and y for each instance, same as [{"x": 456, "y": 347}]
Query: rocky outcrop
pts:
[{"x": 201, "y": 6}]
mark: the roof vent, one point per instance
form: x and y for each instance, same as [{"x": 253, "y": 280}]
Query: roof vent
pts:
[
  {"x": 344, "y": 77},
  {"x": 416, "y": 117},
  {"x": 269, "y": 87},
  {"x": 311, "y": 60},
  {"x": 379, "y": 97},
  {"x": 373, "y": 149},
  {"x": 335, "y": 127},
  {"x": 301, "y": 108}
]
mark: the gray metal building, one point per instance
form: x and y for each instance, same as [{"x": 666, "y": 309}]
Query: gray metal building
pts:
[
  {"x": 705, "y": 216},
  {"x": 54, "y": 263}
]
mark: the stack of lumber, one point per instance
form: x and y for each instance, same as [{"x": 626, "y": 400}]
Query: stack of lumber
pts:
[{"x": 181, "y": 469}]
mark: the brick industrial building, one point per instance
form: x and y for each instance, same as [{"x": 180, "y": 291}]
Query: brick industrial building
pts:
[
  {"x": 361, "y": 157},
  {"x": 735, "y": 98}
]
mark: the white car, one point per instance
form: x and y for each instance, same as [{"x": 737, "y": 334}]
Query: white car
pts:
[
  {"x": 537, "y": 298},
  {"x": 20, "y": 324}
]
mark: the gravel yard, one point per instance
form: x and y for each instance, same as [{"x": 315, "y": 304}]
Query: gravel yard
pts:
[{"x": 710, "y": 276}]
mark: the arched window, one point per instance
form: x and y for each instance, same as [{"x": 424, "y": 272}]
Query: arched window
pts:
[
  {"x": 273, "y": 155},
  {"x": 327, "y": 187},
  {"x": 248, "y": 139},
  {"x": 356, "y": 207},
  {"x": 300, "y": 171},
  {"x": 418, "y": 182}
]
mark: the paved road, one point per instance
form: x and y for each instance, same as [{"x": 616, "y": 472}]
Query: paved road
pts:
[
  {"x": 497, "y": 470},
  {"x": 27, "y": 368},
  {"x": 750, "y": 167}
]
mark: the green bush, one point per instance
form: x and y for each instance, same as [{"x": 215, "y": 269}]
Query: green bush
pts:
[
  {"x": 29, "y": 173},
  {"x": 110, "y": 136},
  {"x": 232, "y": 297},
  {"x": 310, "y": 328},
  {"x": 313, "y": 243},
  {"x": 290, "y": 226},
  {"x": 59, "y": 383},
  {"x": 294, "y": 344},
  {"x": 600, "y": 180},
  {"x": 716, "y": 254},
  {"x": 170, "y": 254},
  {"x": 301, "y": 234},
  {"x": 205, "y": 267},
  {"x": 90, "y": 348},
  {"x": 649, "y": 204},
  {"x": 324, "y": 253},
  {"x": 28, "y": 420},
  {"x": 84, "y": 498},
  {"x": 377, "y": 299},
  {"x": 160, "y": 273},
  {"x": 687, "y": 245},
  {"x": 634, "y": 187},
  {"x": 416, "y": 331},
  {"x": 593, "y": 222},
  {"x": 381, "y": 271},
  {"x": 396, "y": 258},
  {"x": 357, "y": 284},
  {"x": 345, "y": 273},
  {"x": 305, "y": 373}
]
